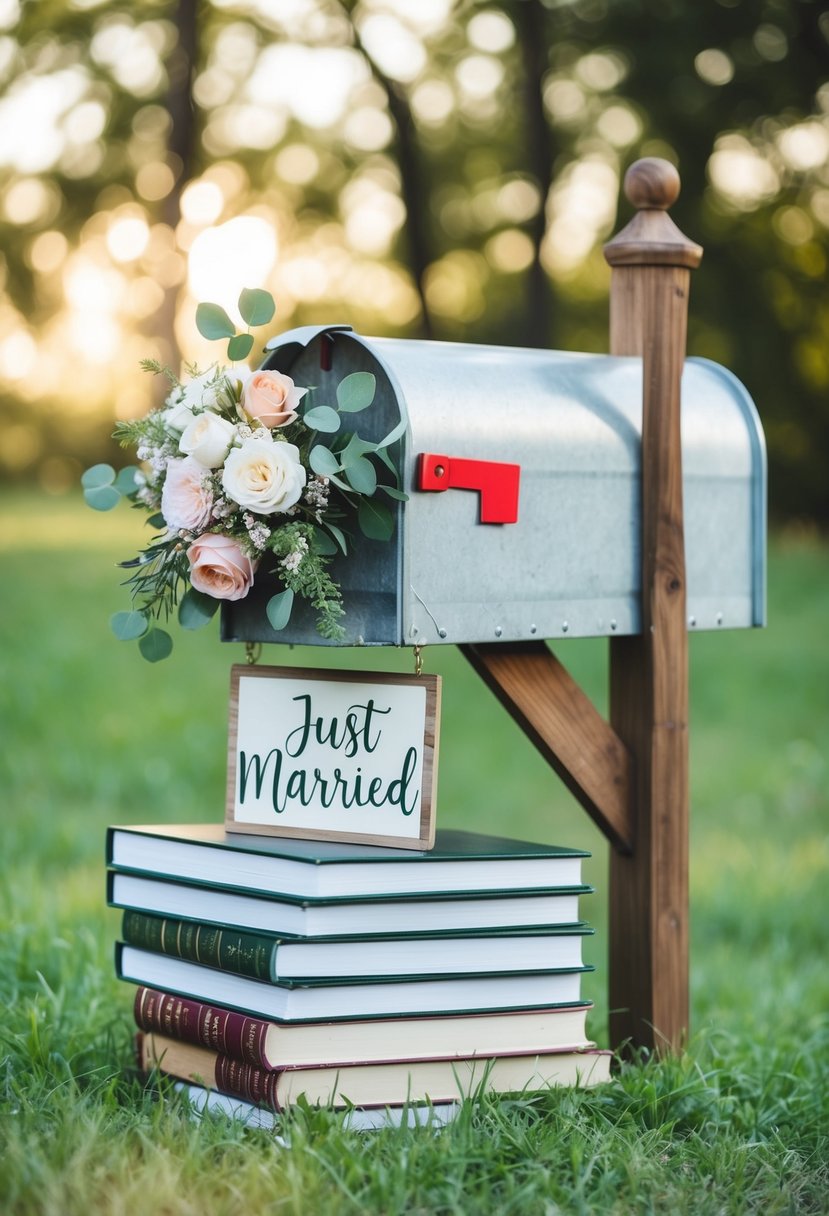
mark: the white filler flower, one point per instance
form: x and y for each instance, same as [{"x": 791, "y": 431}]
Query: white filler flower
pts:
[{"x": 264, "y": 476}]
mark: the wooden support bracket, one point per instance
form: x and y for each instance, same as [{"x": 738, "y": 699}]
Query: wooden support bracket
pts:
[{"x": 566, "y": 727}]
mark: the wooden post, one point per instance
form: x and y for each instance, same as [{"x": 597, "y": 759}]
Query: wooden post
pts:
[{"x": 648, "y": 936}]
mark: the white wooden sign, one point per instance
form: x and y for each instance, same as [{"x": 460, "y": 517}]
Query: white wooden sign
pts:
[{"x": 333, "y": 755}]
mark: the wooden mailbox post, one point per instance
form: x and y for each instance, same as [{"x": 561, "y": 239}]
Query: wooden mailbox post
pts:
[{"x": 631, "y": 773}]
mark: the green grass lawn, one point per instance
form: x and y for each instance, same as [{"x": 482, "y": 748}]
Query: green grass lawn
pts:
[{"x": 92, "y": 735}]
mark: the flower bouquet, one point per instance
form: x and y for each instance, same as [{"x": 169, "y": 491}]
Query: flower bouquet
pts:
[{"x": 241, "y": 471}]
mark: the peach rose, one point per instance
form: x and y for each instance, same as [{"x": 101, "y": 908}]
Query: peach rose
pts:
[
  {"x": 218, "y": 567},
  {"x": 186, "y": 499},
  {"x": 271, "y": 398}
]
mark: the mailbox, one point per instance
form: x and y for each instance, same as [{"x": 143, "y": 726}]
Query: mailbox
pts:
[{"x": 523, "y": 470}]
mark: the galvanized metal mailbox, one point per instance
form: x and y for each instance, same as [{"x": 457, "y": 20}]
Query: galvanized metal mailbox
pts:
[{"x": 523, "y": 470}]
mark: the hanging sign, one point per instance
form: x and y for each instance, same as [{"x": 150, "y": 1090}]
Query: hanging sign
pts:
[{"x": 333, "y": 755}]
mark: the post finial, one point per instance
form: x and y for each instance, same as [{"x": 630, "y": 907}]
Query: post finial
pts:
[
  {"x": 651, "y": 184},
  {"x": 652, "y": 238}
]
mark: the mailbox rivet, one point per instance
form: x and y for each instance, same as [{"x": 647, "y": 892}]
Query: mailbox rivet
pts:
[
  {"x": 498, "y": 631},
  {"x": 533, "y": 629},
  {"x": 439, "y": 470},
  {"x": 441, "y": 633},
  {"x": 564, "y": 626},
  {"x": 612, "y": 624}
]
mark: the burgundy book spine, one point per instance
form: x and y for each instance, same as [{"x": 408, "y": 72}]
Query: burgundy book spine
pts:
[{"x": 233, "y": 1035}]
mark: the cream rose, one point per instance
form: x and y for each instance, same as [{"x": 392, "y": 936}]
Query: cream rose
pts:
[
  {"x": 264, "y": 476},
  {"x": 177, "y": 417},
  {"x": 186, "y": 499},
  {"x": 272, "y": 398},
  {"x": 218, "y": 567},
  {"x": 207, "y": 439}
]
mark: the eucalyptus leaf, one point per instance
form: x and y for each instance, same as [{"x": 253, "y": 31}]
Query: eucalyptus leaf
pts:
[
  {"x": 256, "y": 306},
  {"x": 213, "y": 322},
  {"x": 383, "y": 454},
  {"x": 129, "y": 480},
  {"x": 196, "y": 609},
  {"x": 375, "y": 519},
  {"x": 239, "y": 347},
  {"x": 356, "y": 392},
  {"x": 323, "y": 461},
  {"x": 339, "y": 536},
  {"x": 127, "y": 626},
  {"x": 279, "y": 609},
  {"x": 155, "y": 645},
  {"x": 322, "y": 543},
  {"x": 394, "y": 493},
  {"x": 361, "y": 475},
  {"x": 102, "y": 498},
  {"x": 394, "y": 434},
  {"x": 338, "y": 481},
  {"x": 156, "y": 521},
  {"x": 322, "y": 418},
  {"x": 354, "y": 449},
  {"x": 99, "y": 475}
]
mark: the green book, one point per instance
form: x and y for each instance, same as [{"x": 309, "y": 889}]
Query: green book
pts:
[
  {"x": 381, "y": 955},
  {"x": 324, "y": 870}
]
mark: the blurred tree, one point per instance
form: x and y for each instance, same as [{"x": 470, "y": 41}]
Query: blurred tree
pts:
[{"x": 446, "y": 168}]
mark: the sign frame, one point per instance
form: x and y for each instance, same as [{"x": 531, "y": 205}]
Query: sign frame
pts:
[{"x": 424, "y": 736}]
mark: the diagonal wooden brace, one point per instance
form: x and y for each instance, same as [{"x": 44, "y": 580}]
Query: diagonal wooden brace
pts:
[{"x": 566, "y": 727}]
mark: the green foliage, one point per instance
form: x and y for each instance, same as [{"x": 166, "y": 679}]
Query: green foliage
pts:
[
  {"x": 127, "y": 626},
  {"x": 155, "y": 645},
  {"x": 279, "y": 609},
  {"x": 322, "y": 418},
  {"x": 213, "y": 322},
  {"x": 256, "y": 307},
  {"x": 196, "y": 609},
  {"x": 376, "y": 520},
  {"x": 356, "y": 392}
]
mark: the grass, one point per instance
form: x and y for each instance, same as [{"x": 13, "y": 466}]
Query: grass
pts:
[{"x": 93, "y": 735}]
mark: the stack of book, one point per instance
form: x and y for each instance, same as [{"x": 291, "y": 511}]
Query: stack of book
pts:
[{"x": 366, "y": 978}]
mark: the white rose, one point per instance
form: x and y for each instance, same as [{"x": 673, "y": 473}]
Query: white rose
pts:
[
  {"x": 264, "y": 476},
  {"x": 207, "y": 439},
  {"x": 186, "y": 499},
  {"x": 178, "y": 417}
]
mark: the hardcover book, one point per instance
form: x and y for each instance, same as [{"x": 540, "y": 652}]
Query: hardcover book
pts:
[
  {"x": 210, "y": 1101},
  {"x": 371, "y": 1085},
  {"x": 272, "y": 1045},
  {"x": 275, "y": 960},
  {"x": 334, "y": 1000},
  {"x": 459, "y": 862},
  {"x": 290, "y": 917}
]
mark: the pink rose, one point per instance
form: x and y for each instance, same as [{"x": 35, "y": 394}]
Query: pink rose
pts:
[
  {"x": 218, "y": 567},
  {"x": 186, "y": 499},
  {"x": 271, "y": 398}
]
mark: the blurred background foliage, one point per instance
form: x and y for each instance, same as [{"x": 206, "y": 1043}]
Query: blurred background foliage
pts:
[{"x": 441, "y": 168}]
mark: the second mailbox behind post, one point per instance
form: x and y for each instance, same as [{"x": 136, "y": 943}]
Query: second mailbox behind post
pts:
[{"x": 537, "y": 531}]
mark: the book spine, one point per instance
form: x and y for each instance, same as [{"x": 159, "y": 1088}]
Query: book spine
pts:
[
  {"x": 230, "y": 1077},
  {"x": 227, "y": 949},
  {"x": 220, "y": 1030}
]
